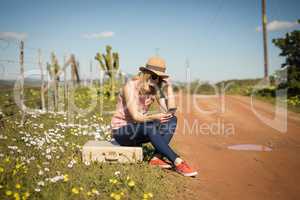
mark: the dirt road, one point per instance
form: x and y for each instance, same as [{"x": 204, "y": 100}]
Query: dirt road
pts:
[{"x": 230, "y": 174}]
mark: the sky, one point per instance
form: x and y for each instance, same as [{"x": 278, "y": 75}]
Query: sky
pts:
[{"x": 220, "y": 39}]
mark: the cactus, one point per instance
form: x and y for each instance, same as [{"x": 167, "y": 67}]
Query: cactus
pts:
[
  {"x": 109, "y": 63},
  {"x": 53, "y": 69},
  {"x": 74, "y": 70}
]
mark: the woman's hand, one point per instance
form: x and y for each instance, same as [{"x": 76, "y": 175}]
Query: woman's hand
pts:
[
  {"x": 149, "y": 101},
  {"x": 168, "y": 81},
  {"x": 163, "y": 117}
]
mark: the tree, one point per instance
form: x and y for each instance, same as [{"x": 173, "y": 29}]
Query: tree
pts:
[{"x": 290, "y": 49}]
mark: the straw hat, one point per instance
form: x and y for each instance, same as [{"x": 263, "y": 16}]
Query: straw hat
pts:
[{"x": 156, "y": 65}]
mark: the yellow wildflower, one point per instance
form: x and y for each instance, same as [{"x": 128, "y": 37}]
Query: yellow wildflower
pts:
[
  {"x": 7, "y": 160},
  {"x": 81, "y": 188},
  {"x": 115, "y": 196},
  {"x": 89, "y": 193},
  {"x": 113, "y": 181},
  {"x": 150, "y": 194},
  {"x": 18, "y": 186},
  {"x": 131, "y": 183},
  {"x": 25, "y": 195},
  {"x": 147, "y": 195},
  {"x": 25, "y": 169},
  {"x": 95, "y": 191},
  {"x": 17, "y": 196},
  {"x": 18, "y": 165},
  {"x": 112, "y": 195},
  {"x": 8, "y": 193},
  {"x": 75, "y": 190},
  {"x": 66, "y": 177},
  {"x": 1, "y": 169}
]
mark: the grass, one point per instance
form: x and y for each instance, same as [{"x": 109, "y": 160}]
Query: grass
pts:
[
  {"x": 244, "y": 87},
  {"x": 42, "y": 158},
  {"x": 272, "y": 100}
]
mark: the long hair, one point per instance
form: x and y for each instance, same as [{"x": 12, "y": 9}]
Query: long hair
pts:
[{"x": 144, "y": 77}]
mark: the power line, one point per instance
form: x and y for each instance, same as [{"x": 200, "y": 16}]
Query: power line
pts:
[
  {"x": 17, "y": 62},
  {"x": 217, "y": 12},
  {"x": 28, "y": 47},
  {"x": 8, "y": 61}
]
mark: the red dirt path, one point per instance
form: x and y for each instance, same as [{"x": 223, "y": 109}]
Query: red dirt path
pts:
[{"x": 228, "y": 174}]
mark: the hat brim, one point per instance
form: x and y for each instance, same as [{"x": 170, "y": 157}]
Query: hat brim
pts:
[{"x": 158, "y": 73}]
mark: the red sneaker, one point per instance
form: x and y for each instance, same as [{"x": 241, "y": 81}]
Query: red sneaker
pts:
[
  {"x": 185, "y": 170},
  {"x": 160, "y": 163}
]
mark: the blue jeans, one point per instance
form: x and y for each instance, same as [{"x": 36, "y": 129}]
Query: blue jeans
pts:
[{"x": 159, "y": 134}]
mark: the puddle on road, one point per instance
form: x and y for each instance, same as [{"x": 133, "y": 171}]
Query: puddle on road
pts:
[{"x": 249, "y": 147}]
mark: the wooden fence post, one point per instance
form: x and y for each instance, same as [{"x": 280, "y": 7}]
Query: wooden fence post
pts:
[
  {"x": 65, "y": 84},
  {"x": 22, "y": 81},
  {"x": 42, "y": 79}
]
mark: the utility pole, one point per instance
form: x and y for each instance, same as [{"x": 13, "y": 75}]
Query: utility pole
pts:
[
  {"x": 265, "y": 38},
  {"x": 187, "y": 71}
]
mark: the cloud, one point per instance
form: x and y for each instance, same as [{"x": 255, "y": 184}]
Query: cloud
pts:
[
  {"x": 101, "y": 35},
  {"x": 277, "y": 25},
  {"x": 13, "y": 35}
]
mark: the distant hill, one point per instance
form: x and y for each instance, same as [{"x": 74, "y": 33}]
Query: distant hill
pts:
[{"x": 27, "y": 82}]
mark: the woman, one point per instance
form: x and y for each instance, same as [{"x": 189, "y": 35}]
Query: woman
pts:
[{"x": 131, "y": 124}]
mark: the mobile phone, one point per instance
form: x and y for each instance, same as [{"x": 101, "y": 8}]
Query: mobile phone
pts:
[{"x": 172, "y": 110}]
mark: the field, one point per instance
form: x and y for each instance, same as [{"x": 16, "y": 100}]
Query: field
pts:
[{"x": 42, "y": 158}]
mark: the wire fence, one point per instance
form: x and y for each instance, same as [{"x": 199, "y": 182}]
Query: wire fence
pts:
[
  {"x": 23, "y": 68},
  {"x": 10, "y": 61}
]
